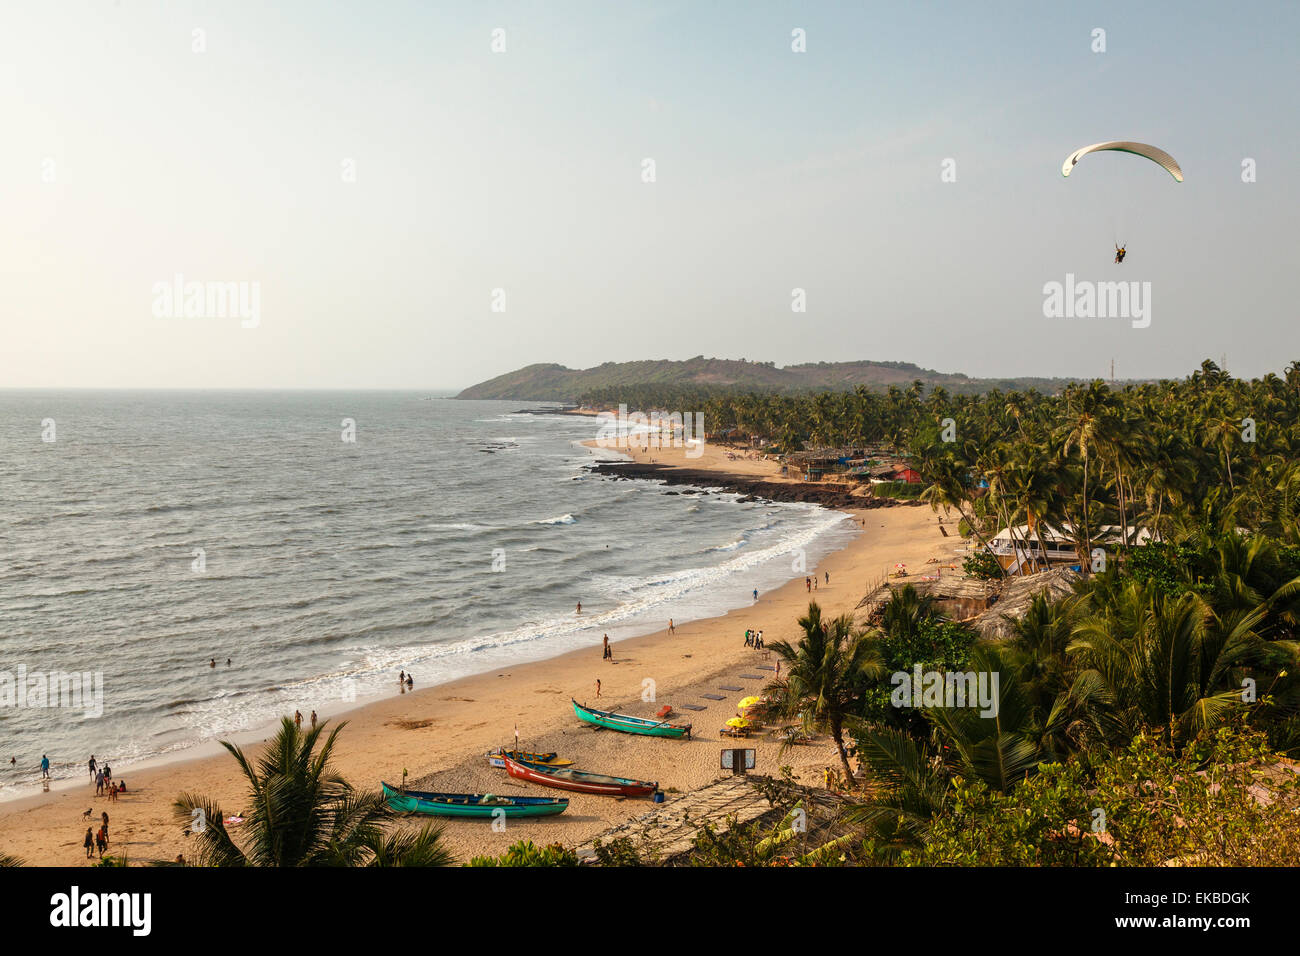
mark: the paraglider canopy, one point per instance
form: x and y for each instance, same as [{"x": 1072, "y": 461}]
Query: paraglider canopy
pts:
[{"x": 1152, "y": 153}]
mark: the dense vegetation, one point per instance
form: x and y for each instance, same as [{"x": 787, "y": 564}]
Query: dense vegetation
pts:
[
  {"x": 1206, "y": 453},
  {"x": 1139, "y": 720}
]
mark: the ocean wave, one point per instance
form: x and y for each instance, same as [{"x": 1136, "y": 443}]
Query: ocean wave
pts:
[
  {"x": 562, "y": 519},
  {"x": 738, "y": 543}
]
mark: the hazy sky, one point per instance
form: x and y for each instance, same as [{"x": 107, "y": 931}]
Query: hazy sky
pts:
[{"x": 130, "y": 157}]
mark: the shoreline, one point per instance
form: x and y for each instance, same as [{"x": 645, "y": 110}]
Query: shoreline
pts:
[
  {"x": 335, "y": 708},
  {"x": 439, "y": 733}
]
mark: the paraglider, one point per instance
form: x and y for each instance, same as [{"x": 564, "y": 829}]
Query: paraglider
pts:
[
  {"x": 1153, "y": 153},
  {"x": 1145, "y": 150}
]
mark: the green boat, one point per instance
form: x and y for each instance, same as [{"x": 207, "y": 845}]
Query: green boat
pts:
[
  {"x": 470, "y": 804},
  {"x": 631, "y": 725}
]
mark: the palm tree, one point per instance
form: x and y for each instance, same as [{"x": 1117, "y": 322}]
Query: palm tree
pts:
[
  {"x": 905, "y": 612},
  {"x": 1083, "y": 430},
  {"x": 948, "y": 486},
  {"x": 824, "y": 675},
  {"x": 1000, "y": 749},
  {"x": 1169, "y": 664},
  {"x": 1224, "y": 433},
  {"x": 914, "y": 785},
  {"x": 304, "y": 814}
]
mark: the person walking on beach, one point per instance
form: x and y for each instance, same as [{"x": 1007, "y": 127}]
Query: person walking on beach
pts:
[
  {"x": 807, "y": 583},
  {"x": 108, "y": 773},
  {"x": 90, "y": 843},
  {"x": 608, "y": 655},
  {"x": 101, "y": 841},
  {"x": 755, "y": 595},
  {"x": 672, "y": 628},
  {"x": 410, "y": 682},
  {"x": 749, "y": 638},
  {"x": 45, "y": 766},
  {"x": 828, "y": 577},
  {"x": 104, "y": 828},
  {"x": 99, "y": 783},
  {"x": 401, "y": 677},
  {"x": 92, "y": 765},
  {"x": 313, "y": 720},
  {"x": 597, "y": 686},
  {"x": 297, "y": 719}
]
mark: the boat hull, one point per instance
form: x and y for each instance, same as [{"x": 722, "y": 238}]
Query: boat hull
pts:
[
  {"x": 579, "y": 781},
  {"x": 631, "y": 725},
  {"x": 495, "y": 758},
  {"x": 467, "y": 805}
]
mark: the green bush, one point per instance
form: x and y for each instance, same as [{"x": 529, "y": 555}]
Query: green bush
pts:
[
  {"x": 527, "y": 853},
  {"x": 983, "y": 565},
  {"x": 897, "y": 489}
]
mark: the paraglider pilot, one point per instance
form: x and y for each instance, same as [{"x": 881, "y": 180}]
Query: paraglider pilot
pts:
[{"x": 1119, "y": 253}]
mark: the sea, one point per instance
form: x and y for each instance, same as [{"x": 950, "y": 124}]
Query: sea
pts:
[{"x": 315, "y": 544}]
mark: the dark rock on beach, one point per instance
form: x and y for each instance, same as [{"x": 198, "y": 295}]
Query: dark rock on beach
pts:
[{"x": 748, "y": 485}]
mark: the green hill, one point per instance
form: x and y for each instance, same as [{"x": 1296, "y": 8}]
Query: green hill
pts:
[{"x": 555, "y": 383}]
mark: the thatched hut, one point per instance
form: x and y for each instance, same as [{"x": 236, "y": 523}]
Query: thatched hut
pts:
[
  {"x": 1017, "y": 593},
  {"x": 984, "y": 605}
]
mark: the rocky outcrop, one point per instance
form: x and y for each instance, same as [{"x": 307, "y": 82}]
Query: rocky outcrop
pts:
[{"x": 749, "y": 485}]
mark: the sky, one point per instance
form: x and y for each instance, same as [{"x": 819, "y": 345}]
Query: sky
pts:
[{"x": 414, "y": 209}]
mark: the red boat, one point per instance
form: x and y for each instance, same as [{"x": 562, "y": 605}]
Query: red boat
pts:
[{"x": 580, "y": 781}]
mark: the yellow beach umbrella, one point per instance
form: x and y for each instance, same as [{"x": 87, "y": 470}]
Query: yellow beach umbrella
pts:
[
  {"x": 749, "y": 702},
  {"x": 738, "y": 722}
]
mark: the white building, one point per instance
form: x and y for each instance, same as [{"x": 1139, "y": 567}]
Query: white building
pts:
[{"x": 1021, "y": 545}]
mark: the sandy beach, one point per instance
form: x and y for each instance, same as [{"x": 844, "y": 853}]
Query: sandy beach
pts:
[{"x": 439, "y": 734}]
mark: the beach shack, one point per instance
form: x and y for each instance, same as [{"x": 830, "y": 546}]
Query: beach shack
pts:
[
  {"x": 1025, "y": 547},
  {"x": 821, "y": 464}
]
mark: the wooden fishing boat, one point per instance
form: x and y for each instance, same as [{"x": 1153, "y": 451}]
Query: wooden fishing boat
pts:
[
  {"x": 580, "y": 781},
  {"x": 470, "y": 804},
  {"x": 631, "y": 725},
  {"x": 496, "y": 758}
]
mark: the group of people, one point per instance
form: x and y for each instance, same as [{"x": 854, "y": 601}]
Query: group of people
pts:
[
  {"x": 104, "y": 783},
  {"x": 753, "y": 638},
  {"x": 405, "y": 680},
  {"x": 810, "y": 582},
  {"x": 97, "y": 840},
  {"x": 297, "y": 719}
]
